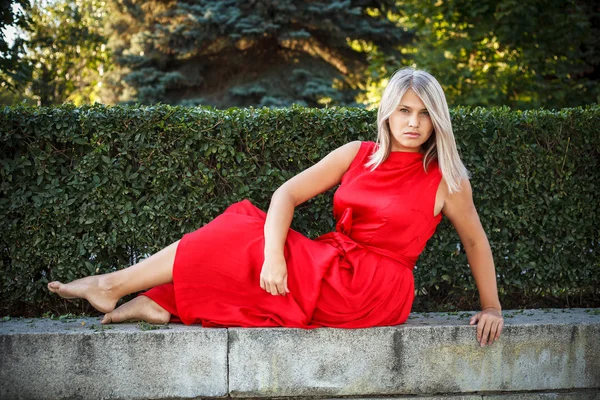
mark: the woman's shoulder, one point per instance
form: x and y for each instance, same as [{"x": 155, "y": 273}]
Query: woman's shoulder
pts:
[
  {"x": 352, "y": 148},
  {"x": 360, "y": 144},
  {"x": 367, "y": 147},
  {"x": 457, "y": 199},
  {"x": 353, "y": 153}
]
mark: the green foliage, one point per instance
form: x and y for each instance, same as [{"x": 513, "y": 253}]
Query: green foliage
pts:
[
  {"x": 94, "y": 189},
  {"x": 521, "y": 53},
  {"x": 145, "y": 326},
  {"x": 65, "y": 54},
  {"x": 533, "y": 175},
  {"x": 13, "y": 73},
  {"x": 244, "y": 53}
]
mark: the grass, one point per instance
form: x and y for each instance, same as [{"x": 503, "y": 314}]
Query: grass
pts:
[{"x": 145, "y": 326}]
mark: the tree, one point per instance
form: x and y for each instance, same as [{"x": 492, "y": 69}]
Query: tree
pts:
[
  {"x": 64, "y": 50},
  {"x": 521, "y": 53},
  {"x": 13, "y": 74},
  {"x": 246, "y": 52}
]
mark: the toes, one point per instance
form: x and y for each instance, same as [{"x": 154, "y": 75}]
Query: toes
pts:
[
  {"x": 53, "y": 286},
  {"x": 140, "y": 308},
  {"x": 115, "y": 317}
]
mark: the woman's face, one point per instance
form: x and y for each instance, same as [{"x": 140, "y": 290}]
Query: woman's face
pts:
[{"x": 410, "y": 124}]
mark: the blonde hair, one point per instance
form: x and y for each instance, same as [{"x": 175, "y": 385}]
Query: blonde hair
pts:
[{"x": 441, "y": 145}]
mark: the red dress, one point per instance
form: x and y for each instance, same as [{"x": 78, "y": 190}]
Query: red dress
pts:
[{"x": 358, "y": 276}]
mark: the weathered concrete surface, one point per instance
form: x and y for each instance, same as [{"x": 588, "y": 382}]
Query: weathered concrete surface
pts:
[
  {"x": 541, "y": 350},
  {"x": 445, "y": 397},
  {"x": 580, "y": 395},
  {"x": 47, "y": 359},
  {"x": 432, "y": 356},
  {"x": 588, "y": 395}
]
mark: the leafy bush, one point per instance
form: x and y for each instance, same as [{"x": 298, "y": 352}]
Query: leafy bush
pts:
[{"x": 92, "y": 189}]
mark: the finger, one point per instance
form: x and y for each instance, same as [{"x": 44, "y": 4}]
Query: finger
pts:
[
  {"x": 268, "y": 287},
  {"x": 479, "y": 330},
  {"x": 280, "y": 289},
  {"x": 287, "y": 290},
  {"x": 262, "y": 284},
  {"x": 493, "y": 329},
  {"x": 485, "y": 333},
  {"x": 500, "y": 325},
  {"x": 273, "y": 289},
  {"x": 474, "y": 319}
]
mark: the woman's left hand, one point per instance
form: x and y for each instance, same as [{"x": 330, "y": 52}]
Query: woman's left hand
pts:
[{"x": 489, "y": 325}]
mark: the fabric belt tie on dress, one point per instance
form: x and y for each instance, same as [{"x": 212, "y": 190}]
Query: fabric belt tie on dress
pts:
[{"x": 344, "y": 226}]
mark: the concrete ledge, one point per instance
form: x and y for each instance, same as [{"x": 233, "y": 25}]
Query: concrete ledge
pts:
[
  {"x": 435, "y": 353},
  {"x": 542, "y": 354},
  {"x": 77, "y": 359}
]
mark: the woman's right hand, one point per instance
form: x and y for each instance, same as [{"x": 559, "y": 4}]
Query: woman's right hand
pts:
[{"x": 273, "y": 276}]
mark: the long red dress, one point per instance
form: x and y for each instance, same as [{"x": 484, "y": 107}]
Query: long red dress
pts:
[{"x": 358, "y": 276}]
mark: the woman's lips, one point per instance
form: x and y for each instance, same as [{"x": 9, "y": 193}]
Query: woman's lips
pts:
[{"x": 412, "y": 134}]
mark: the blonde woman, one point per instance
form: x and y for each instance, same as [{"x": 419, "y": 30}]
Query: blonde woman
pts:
[{"x": 248, "y": 268}]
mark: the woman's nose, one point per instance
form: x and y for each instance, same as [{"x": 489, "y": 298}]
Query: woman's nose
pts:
[{"x": 413, "y": 120}]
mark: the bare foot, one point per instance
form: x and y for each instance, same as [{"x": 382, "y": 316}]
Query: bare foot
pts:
[
  {"x": 141, "y": 308},
  {"x": 92, "y": 288}
]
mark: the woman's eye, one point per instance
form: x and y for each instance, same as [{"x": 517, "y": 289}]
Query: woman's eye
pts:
[
  {"x": 403, "y": 110},
  {"x": 425, "y": 113}
]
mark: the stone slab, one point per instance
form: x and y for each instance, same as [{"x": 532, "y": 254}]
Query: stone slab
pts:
[
  {"x": 581, "y": 395},
  {"x": 587, "y": 395},
  {"x": 81, "y": 359},
  {"x": 539, "y": 350},
  {"x": 441, "y": 397}
]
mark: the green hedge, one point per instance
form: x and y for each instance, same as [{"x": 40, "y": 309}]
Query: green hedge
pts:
[{"x": 93, "y": 189}]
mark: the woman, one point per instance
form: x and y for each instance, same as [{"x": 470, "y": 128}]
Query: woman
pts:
[{"x": 248, "y": 268}]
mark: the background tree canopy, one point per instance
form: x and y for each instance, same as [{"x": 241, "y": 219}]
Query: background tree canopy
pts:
[
  {"x": 521, "y": 53},
  {"x": 11, "y": 69},
  {"x": 259, "y": 52},
  {"x": 524, "y": 54}
]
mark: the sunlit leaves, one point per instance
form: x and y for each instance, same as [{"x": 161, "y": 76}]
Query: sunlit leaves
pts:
[
  {"x": 65, "y": 49},
  {"x": 524, "y": 54}
]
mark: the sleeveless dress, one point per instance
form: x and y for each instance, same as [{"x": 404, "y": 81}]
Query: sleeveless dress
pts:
[{"x": 360, "y": 275}]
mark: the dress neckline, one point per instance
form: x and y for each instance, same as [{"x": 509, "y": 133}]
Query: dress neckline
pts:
[
  {"x": 412, "y": 154},
  {"x": 403, "y": 158},
  {"x": 408, "y": 153}
]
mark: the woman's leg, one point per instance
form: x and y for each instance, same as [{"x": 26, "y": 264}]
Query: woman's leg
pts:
[
  {"x": 103, "y": 291},
  {"x": 142, "y": 308}
]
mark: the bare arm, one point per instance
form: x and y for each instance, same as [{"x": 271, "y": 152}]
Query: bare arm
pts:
[
  {"x": 314, "y": 180},
  {"x": 460, "y": 210}
]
